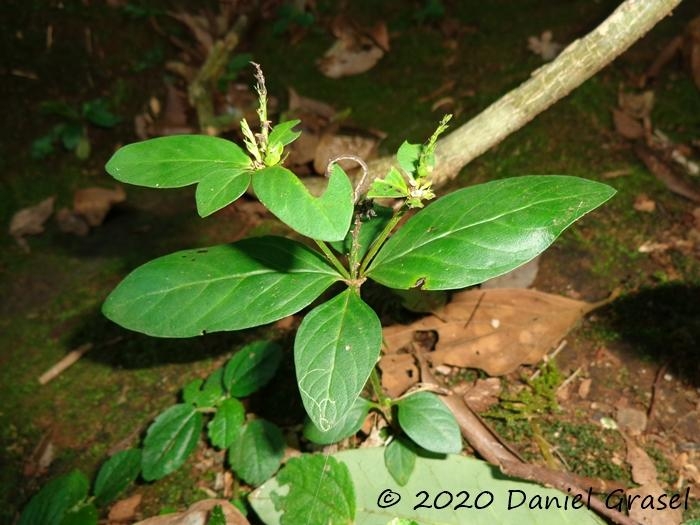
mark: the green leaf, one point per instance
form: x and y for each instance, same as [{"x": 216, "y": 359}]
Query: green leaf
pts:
[
  {"x": 429, "y": 423},
  {"x": 336, "y": 347},
  {"x": 229, "y": 287},
  {"x": 479, "y": 494},
  {"x": 97, "y": 112},
  {"x": 175, "y": 161},
  {"x": 371, "y": 226},
  {"x": 283, "y": 134},
  {"x": 346, "y": 427},
  {"x": 42, "y": 147},
  {"x": 116, "y": 474},
  {"x": 325, "y": 218},
  {"x": 400, "y": 459},
  {"x": 251, "y": 368},
  {"x": 217, "y": 516},
  {"x": 205, "y": 394},
  {"x": 59, "y": 108},
  {"x": 191, "y": 391},
  {"x": 169, "y": 440},
  {"x": 483, "y": 231},
  {"x": 392, "y": 186},
  {"x": 408, "y": 156},
  {"x": 321, "y": 492},
  {"x": 82, "y": 149},
  {"x": 257, "y": 453},
  {"x": 51, "y": 504},
  {"x": 226, "y": 425},
  {"x": 71, "y": 135},
  {"x": 219, "y": 188},
  {"x": 81, "y": 515}
]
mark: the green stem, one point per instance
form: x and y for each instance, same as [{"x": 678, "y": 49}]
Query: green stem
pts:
[
  {"x": 332, "y": 259},
  {"x": 380, "y": 240},
  {"x": 382, "y": 399}
]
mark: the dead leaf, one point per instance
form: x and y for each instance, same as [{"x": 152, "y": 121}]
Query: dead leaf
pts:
[
  {"x": 399, "y": 373},
  {"x": 484, "y": 394},
  {"x": 198, "y": 514},
  {"x": 627, "y": 126},
  {"x": 495, "y": 330},
  {"x": 544, "y": 46},
  {"x": 30, "y": 221},
  {"x": 332, "y": 146},
  {"x": 95, "y": 203},
  {"x": 69, "y": 222},
  {"x": 633, "y": 421},
  {"x": 355, "y": 51},
  {"x": 124, "y": 511},
  {"x": 665, "y": 174},
  {"x": 636, "y": 105},
  {"x": 522, "y": 277},
  {"x": 643, "y": 203}
]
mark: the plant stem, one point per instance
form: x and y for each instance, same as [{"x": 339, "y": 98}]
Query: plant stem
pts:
[
  {"x": 382, "y": 399},
  {"x": 332, "y": 259},
  {"x": 380, "y": 240}
]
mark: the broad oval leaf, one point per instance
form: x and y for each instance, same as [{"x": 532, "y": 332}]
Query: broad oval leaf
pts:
[
  {"x": 400, "y": 459},
  {"x": 480, "y": 494},
  {"x": 228, "y": 287},
  {"x": 55, "y": 499},
  {"x": 483, "y": 231},
  {"x": 220, "y": 188},
  {"x": 226, "y": 425},
  {"x": 257, "y": 453},
  {"x": 320, "y": 492},
  {"x": 170, "y": 439},
  {"x": 336, "y": 347},
  {"x": 326, "y": 218},
  {"x": 116, "y": 474},
  {"x": 346, "y": 427},
  {"x": 251, "y": 368},
  {"x": 175, "y": 161},
  {"x": 429, "y": 423}
]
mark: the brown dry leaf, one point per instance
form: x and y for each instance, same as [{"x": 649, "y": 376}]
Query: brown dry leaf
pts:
[
  {"x": 95, "y": 203},
  {"x": 636, "y": 105},
  {"x": 332, "y": 146},
  {"x": 522, "y": 277},
  {"x": 399, "y": 373},
  {"x": 299, "y": 105},
  {"x": 30, "y": 221},
  {"x": 495, "y": 330},
  {"x": 355, "y": 50},
  {"x": 627, "y": 126},
  {"x": 544, "y": 45},
  {"x": 484, "y": 394},
  {"x": 665, "y": 174},
  {"x": 124, "y": 511},
  {"x": 198, "y": 514},
  {"x": 643, "y": 203}
]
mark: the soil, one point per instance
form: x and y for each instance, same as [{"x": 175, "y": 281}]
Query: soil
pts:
[{"x": 637, "y": 356}]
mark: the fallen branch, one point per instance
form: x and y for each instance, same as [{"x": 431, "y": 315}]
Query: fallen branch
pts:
[{"x": 69, "y": 360}]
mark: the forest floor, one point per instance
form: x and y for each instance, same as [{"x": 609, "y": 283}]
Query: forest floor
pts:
[{"x": 634, "y": 361}]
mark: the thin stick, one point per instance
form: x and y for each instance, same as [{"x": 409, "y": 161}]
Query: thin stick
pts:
[{"x": 70, "y": 359}]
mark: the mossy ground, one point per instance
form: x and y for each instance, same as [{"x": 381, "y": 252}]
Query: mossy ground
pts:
[{"x": 51, "y": 296}]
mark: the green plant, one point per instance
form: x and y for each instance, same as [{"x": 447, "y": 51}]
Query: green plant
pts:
[{"x": 72, "y": 131}]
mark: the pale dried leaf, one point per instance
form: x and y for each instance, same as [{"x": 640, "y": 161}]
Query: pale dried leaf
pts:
[
  {"x": 354, "y": 51},
  {"x": 522, "y": 277},
  {"x": 124, "y": 511},
  {"x": 299, "y": 105},
  {"x": 30, "y": 221},
  {"x": 632, "y": 421},
  {"x": 495, "y": 330},
  {"x": 643, "y": 468},
  {"x": 95, "y": 203},
  {"x": 484, "y": 394},
  {"x": 666, "y": 175},
  {"x": 198, "y": 514},
  {"x": 636, "y": 105},
  {"x": 643, "y": 203},
  {"x": 544, "y": 46},
  {"x": 332, "y": 146},
  {"x": 649, "y": 515},
  {"x": 627, "y": 126},
  {"x": 399, "y": 373}
]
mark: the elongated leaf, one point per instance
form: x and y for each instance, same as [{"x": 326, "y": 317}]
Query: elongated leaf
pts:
[
  {"x": 116, "y": 474},
  {"x": 483, "y": 231},
  {"x": 336, "y": 347},
  {"x": 81, "y": 515},
  {"x": 283, "y": 134},
  {"x": 251, "y": 368},
  {"x": 456, "y": 490},
  {"x": 226, "y": 425},
  {"x": 321, "y": 492},
  {"x": 228, "y": 287},
  {"x": 257, "y": 453},
  {"x": 170, "y": 440},
  {"x": 408, "y": 156},
  {"x": 55, "y": 499},
  {"x": 175, "y": 161},
  {"x": 220, "y": 188},
  {"x": 326, "y": 218},
  {"x": 400, "y": 459},
  {"x": 346, "y": 427},
  {"x": 429, "y": 423}
]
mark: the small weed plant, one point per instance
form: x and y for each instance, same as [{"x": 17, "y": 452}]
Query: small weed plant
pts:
[{"x": 459, "y": 240}]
